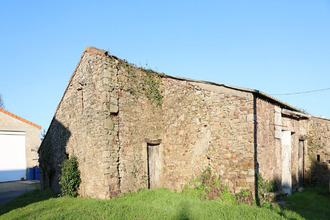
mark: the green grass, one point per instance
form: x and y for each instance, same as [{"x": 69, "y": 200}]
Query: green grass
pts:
[
  {"x": 312, "y": 203},
  {"x": 145, "y": 204}
]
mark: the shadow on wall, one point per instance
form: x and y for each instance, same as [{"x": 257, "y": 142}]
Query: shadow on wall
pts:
[
  {"x": 319, "y": 173},
  {"x": 52, "y": 153}
]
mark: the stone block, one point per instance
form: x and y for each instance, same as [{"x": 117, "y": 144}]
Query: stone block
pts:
[
  {"x": 251, "y": 172},
  {"x": 113, "y": 101},
  {"x": 250, "y": 117},
  {"x": 114, "y": 109},
  {"x": 250, "y": 179},
  {"x": 106, "y": 154}
]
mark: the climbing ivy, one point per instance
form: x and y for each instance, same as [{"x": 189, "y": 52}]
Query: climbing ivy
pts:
[
  {"x": 151, "y": 85},
  {"x": 315, "y": 142},
  {"x": 143, "y": 81}
]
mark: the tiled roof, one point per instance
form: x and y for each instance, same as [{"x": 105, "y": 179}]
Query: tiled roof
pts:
[{"x": 19, "y": 118}]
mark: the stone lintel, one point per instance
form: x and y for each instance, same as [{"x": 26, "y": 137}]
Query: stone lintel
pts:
[{"x": 153, "y": 141}]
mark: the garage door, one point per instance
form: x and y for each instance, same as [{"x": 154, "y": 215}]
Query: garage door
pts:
[{"x": 12, "y": 156}]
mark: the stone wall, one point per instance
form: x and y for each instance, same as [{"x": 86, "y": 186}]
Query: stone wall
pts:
[
  {"x": 268, "y": 146},
  {"x": 199, "y": 126},
  {"x": 86, "y": 125},
  {"x": 319, "y": 139},
  {"x": 269, "y": 140},
  {"x": 140, "y": 119},
  {"x": 319, "y": 144},
  {"x": 112, "y": 111},
  {"x": 207, "y": 126}
]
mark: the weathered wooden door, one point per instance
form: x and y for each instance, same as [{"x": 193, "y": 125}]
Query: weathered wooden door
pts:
[
  {"x": 301, "y": 163},
  {"x": 286, "y": 162},
  {"x": 153, "y": 166}
]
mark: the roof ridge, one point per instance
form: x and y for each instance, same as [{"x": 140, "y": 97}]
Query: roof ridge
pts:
[{"x": 19, "y": 118}]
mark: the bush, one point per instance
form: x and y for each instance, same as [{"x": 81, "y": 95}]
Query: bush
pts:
[
  {"x": 245, "y": 196},
  {"x": 265, "y": 186},
  {"x": 70, "y": 177},
  {"x": 210, "y": 187}
]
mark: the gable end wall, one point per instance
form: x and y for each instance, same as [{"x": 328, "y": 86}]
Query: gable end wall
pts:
[{"x": 86, "y": 125}]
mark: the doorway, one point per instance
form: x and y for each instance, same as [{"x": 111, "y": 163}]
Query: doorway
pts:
[
  {"x": 301, "y": 162},
  {"x": 153, "y": 165},
  {"x": 286, "y": 162}
]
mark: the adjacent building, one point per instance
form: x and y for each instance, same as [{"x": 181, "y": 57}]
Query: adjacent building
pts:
[{"x": 19, "y": 144}]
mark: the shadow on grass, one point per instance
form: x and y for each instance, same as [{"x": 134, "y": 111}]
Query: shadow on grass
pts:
[
  {"x": 183, "y": 213},
  {"x": 27, "y": 199},
  {"x": 312, "y": 203}
]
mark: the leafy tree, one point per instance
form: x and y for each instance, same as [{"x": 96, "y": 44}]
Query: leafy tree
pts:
[
  {"x": 2, "y": 105},
  {"x": 43, "y": 135}
]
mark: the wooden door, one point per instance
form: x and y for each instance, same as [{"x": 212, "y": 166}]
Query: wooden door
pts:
[
  {"x": 301, "y": 162},
  {"x": 153, "y": 166}
]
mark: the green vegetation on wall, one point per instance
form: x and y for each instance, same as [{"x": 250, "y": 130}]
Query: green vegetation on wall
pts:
[
  {"x": 318, "y": 172},
  {"x": 143, "y": 81},
  {"x": 314, "y": 143},
  {"x": 210, "y": 187}
]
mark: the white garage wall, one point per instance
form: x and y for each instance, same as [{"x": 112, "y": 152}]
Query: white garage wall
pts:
[{"x": 12, "y": 156}]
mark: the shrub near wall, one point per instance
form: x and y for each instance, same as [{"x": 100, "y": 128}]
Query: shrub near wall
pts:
[{"x": 70, "y": 177}]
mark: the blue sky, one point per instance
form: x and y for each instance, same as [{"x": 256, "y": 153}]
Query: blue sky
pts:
[{"x": 276, "y": 46}]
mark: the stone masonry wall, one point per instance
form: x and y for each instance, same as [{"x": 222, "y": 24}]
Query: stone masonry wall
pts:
[
  {"x": 199, "y": 126},
  {"x": 319, "y": 139},
  {"x": 140, "y": 119},
  {"x": 86, "y": 125},
  {"x": 111, "y": 110},
  {"x": 319, "y": 143},
  {"x": 207, "y": 126},
  {"x": 269, "y": 147}
]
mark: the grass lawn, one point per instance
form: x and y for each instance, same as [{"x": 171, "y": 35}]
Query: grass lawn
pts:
[
  {"x": 158, "y": 204},
  {"x": 312, "y": 203}
]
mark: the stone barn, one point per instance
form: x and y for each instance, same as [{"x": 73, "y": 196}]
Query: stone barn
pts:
[{"x": 133, "y": 128}]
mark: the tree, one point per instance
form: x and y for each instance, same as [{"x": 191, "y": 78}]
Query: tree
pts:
[
  {"x": 43, "y": 135},
  {"x": 2, "y": 105}
]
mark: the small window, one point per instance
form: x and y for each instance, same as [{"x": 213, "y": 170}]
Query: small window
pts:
[{"x": 318, "y": 158}]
